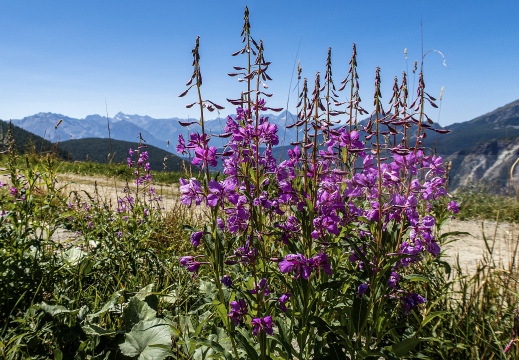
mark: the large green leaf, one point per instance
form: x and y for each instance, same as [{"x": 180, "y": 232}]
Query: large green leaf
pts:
[
  {"x": 95, "y": 330},
  {"x": 146, "y": 291},
  {"x": 136, "y": 311},
  {"x": 148, "y": 340},
  {"x": 73, "y": 256},
  {"x": 217, "y": 345},
  {"x": 54, "y": 310}
]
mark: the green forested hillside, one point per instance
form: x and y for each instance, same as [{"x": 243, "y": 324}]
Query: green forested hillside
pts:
[
  {"x": 26, "y": 141},
  {"x": 104, "y": 150}
]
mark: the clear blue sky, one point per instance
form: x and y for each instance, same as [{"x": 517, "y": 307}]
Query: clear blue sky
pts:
[{"x": 69, "y": 57}]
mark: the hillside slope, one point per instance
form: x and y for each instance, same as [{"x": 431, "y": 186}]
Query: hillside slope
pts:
[{"x": 104, "y": 150}]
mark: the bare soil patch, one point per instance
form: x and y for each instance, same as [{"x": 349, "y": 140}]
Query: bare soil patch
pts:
[
  {"x": 501, "y": 239},
  {"x": 107, "y": 189}
]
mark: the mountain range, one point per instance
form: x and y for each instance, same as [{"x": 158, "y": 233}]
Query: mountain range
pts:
[
  {"x": 99, "y": 150},
  {"x": 161, "y": 133},
  {"x": 481, "y": 149}
]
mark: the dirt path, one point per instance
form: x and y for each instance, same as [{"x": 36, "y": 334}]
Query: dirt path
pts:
[
  {"x": 502, "y": 237},
  {"x": 110, "y": 189}
]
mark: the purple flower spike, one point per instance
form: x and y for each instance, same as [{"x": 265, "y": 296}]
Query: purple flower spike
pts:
[
  {"x": 238, "y": 311},
  {"x": 264, "y": 323}
]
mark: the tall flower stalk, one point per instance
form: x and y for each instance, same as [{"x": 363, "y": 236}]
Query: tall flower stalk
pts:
[{"x": 315, "y": 248}]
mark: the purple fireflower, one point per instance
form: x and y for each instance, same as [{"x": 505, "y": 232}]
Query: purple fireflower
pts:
[
  {"x": 290, "y": 228},
  {"x": 362, "y": 289},
  {"x": 215, "y": 190},
  {"x": 428, "y": 221},
  {"x": 226, "y": 280},
  {"x": 410, "y": 300},
  {"x": 453, "y": 207},
  {"x": 195, "y": 238},
  {"x": 238, "y": 311},
  {"x": 263, "y": 286},
  {"x": 191, "y": 190},
  {"x": 264, "y": 323},
  {"x": 205, "y": 156},
  {"x": 220, "y": 223},
  {"x": 181, "y": 146},
  {"x": 247, "y": 254},
  {"x": 143, "y": 157},
  {"x": 296, "y": 263},
  {"x": 190, "y": 263},
  {"x": 238, "y": 217},
  {"x": 283, "y": 300},
  {"x": 393, "y": 280},
  {"x": 320, "y": 261}
]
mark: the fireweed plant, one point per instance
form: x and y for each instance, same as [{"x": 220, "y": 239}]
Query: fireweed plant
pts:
[{"x": 313, "y": 256}]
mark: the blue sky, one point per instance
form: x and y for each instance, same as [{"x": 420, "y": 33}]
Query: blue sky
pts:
[{"x": 71, "y": 57}]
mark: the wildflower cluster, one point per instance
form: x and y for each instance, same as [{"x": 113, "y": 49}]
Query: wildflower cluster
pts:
[{"x": 350, "y": 203}]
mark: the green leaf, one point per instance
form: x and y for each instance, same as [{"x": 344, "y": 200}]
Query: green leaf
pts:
[
  {"x": 143, "y": 293},
  {"x": 106, "y": 307},
  {"x": 73, "y": 256},
  {"x": 243, "y": 338},
  {"x": 149, "y": 340},
  {"x": 433, "y": 315},
  {"x": 86, "y": 266},
  {"x": 222, "y": 312},
  {"x": 416, "y": 277},
  {"x": 136, "y": 311},
  {"x": 58, "y": 355},
  {"x": 170, "y": 298},
  {"x": 208, "y": 288},
  {"x": 54, "y": 310},
  {"x": 212, "y": 345},
  {"x": 453, "y": 233},
  {"x": 95, "y": 330},
  {"x": 404, "y": 347}
]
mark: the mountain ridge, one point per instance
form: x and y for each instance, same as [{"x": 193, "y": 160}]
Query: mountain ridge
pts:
[{"x": 478, "y": 149}]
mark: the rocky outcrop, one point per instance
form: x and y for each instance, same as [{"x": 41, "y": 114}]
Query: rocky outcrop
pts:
[{"x": 489, "y": 162}]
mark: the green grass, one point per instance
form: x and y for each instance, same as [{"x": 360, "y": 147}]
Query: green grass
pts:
[
  {"x": 120, "y": 171},
  {"x": 479, "y": 202},
  {"x": 90, "y": 168}
]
